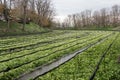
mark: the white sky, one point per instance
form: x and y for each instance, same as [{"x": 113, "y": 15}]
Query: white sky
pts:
[{"x": 66, "y": 7}]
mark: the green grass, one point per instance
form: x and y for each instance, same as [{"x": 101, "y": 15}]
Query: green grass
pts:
[
  {"x": 106, "y": 28},
  {"x": 98, "y": 28},
  {"x": 16, "y": 28}
]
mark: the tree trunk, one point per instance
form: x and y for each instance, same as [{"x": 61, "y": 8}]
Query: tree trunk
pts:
[{"x": 24, "y": 19}]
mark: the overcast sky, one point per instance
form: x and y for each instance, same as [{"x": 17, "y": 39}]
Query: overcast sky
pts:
[{"x": 66, "y": 7}]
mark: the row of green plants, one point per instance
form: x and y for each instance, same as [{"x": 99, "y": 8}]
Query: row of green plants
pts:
[
  {"x": 21, "y": 41},
  {"x": 11, "y": 38},
  {"x": 36, "y": 55},
  {"x": 13, "y": 41},
  {"x": 110, "y": 66},
  {"x": 12, "y": 69},
  {"x": 36, "y": 42},
  {"x": 82, "y": 66},
  {"x": 42, "y": 48},
  {"x": 34, "y": 37},
  {"x": 42, "y": 44}
]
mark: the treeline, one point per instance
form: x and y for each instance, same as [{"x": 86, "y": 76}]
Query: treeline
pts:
[
  {"x": 106, "y": 17},
  {"x": 40, "y": 12}
]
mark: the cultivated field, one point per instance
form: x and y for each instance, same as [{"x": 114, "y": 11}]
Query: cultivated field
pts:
[{"x": 95, "y": 56}]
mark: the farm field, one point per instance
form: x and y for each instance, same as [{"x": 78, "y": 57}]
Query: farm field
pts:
[
  {"x": 59, "y": 40},
  {"x": 20, "y": 55},
  {"x": 83, "y": 66}
]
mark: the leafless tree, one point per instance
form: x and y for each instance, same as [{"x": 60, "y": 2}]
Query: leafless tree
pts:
[
  {"x": 45, "y": 12},
  {"x": 115, "y": 15},
  {"x": 103, "y": 14},
  {"x": 25, "y": 4}
]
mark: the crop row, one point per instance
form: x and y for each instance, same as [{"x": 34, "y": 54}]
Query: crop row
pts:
[
  {"x": 30, "y": 58},
  {"x": 82, "y": 66},
  {"x": 102, "y": 58},
  {"x": 23, "y": 53},
  {"x": 25, "y": 40},
  {"x": 41, "y": 44},
  {"x": 35, "y": 42},
  {"x": 13, "y": 68},
  {"x": 14, "y": 38},
  {"x": 35, "y": 38},
  {"x": 110, "y": 66},
  {"x": 44, "y": 47}
]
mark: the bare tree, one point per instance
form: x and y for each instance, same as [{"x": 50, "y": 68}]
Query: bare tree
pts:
[
  {"x": 115, "y": 15},
  {"x": 45, "y": 12},
  {"x": 103, "y": 15},
  {"x": 1, "y": 1},
  {"x": 25, "y": 3},
  {"x": 32, "y": 5},
  {"x": 6, "y": 13}
]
